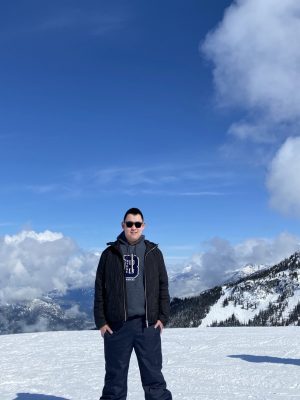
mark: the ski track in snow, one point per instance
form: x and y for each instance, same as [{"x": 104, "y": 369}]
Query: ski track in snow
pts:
[{"x": 199, "y": 364}]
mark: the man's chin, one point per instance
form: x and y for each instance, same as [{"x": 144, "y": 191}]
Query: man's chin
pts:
[{"x": 133, "y": 238}]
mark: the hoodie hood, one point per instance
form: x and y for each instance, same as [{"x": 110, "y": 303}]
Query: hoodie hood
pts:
[{"x": 122, "y": 239}]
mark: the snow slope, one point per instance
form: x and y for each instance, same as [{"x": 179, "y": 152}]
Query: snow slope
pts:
[{"x": 199, "y": 364}]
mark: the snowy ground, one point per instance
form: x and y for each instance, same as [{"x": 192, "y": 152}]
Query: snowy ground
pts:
[{"x": 199, "y": 364}]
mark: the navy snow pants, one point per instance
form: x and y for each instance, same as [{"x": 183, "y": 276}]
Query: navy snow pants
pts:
[{"x": 118, "y": 346}]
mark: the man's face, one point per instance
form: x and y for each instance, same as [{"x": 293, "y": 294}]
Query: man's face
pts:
[{"x": 132, "y": 232}]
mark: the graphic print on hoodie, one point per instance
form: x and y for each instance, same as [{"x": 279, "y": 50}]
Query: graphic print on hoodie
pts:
[{"x": 131, "y": 266}]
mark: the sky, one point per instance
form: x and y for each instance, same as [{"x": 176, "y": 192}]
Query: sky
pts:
[{"x": 186, "y": 110}]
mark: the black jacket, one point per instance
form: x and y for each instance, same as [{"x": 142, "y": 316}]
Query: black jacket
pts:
[{"x": 110, "y": 286}]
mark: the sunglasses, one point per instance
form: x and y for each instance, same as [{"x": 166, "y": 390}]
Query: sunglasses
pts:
[{"x": 130, "y": 224}]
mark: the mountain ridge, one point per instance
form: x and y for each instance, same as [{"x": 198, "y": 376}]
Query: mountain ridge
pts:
[{"x": 268, "y": 296}]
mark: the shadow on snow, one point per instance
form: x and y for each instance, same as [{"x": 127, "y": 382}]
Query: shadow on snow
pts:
[
  {"x": 266, "y": 359},
  {"x": 37, "y": 396}
]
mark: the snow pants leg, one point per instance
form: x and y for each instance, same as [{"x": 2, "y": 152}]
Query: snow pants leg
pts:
[
  {"x": 147, "y": 347},
  {"x": 118, "y": 347}
]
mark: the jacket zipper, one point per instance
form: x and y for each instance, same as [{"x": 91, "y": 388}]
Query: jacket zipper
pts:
[
  {"x": 125, "y": 313},
  {"x": 146, "y": 304},
  {"x": 124, "y": 289}
]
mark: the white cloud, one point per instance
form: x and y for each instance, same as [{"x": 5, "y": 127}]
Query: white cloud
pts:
[
  {"x": 222, "y": 259},
  {"x": 266, "y": 251},
  {"x": 74, "y": 312},
  {"x": 259, "y": 130},
  {"x": 283, "y": 180},
  {"x": 41, "y": 237},
  {"x": 34, "y": 263},
  {"x": 256, "y": 60},
  {"x": 42, "y": 325}
]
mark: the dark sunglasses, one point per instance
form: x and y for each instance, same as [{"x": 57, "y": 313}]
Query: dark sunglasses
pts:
[{"x": 130, "y": 224}]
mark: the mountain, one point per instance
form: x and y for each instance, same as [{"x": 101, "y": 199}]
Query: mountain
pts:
[
  {"x": 269, "y": 296},
  {"x": 247, "y": 270},
  {"x": 188, "y": 282},
  {"x": 255, "y": 295},
  {"x": 83, "y": 298},
  {"x": 55, "y": 311}
]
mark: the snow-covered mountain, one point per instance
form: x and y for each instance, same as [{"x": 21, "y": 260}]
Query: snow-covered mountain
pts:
[
  {"x": 255, "y": 295},
  {"x": 52, "y": 312},
  {"x": 269, "y": 296},
  {"x": 188, "y": 282},
  {"x": 247, "y": 270}
]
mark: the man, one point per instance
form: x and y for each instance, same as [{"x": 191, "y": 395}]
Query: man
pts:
[{"x": 131, "y": 308}]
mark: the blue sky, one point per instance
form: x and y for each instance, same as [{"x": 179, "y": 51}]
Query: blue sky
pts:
[{"x": 109, "y": 105}]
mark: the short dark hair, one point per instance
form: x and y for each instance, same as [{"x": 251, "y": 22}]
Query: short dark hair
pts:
[{"x": 134, "y": 211}]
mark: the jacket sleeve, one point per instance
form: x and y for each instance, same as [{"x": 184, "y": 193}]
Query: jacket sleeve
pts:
[
  {"x": 164, "y": 297},
  {"x": 99, "y": 315}
]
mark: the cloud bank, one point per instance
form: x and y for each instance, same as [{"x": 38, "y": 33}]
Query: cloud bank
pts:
[
  {"x": 221, "y": 259},
  {"x": 32, "y": 264}
]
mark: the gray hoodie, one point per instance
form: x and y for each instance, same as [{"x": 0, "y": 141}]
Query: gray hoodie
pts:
[{"x": 133, "y": 256}]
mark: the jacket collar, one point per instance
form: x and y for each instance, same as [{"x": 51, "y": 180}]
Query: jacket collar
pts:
[{"x": 116, "y": 245}]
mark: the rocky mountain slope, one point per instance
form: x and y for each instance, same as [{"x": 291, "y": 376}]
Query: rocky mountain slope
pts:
[{"x": 269, "y": 296}]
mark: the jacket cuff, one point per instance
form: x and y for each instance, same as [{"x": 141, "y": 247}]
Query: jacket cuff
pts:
[
  {"x": 163, "y": 319},
  {"x": 100, "y": 323}
]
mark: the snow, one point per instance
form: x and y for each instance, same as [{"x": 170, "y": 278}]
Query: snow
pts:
[
  {"x": 247, "y": 270},
  {"x": 219, "y": 313},
  {"x": 292, "y": 302},
  {"x": 247, "y": 298},
  {"x": 199, "y": 364}
]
